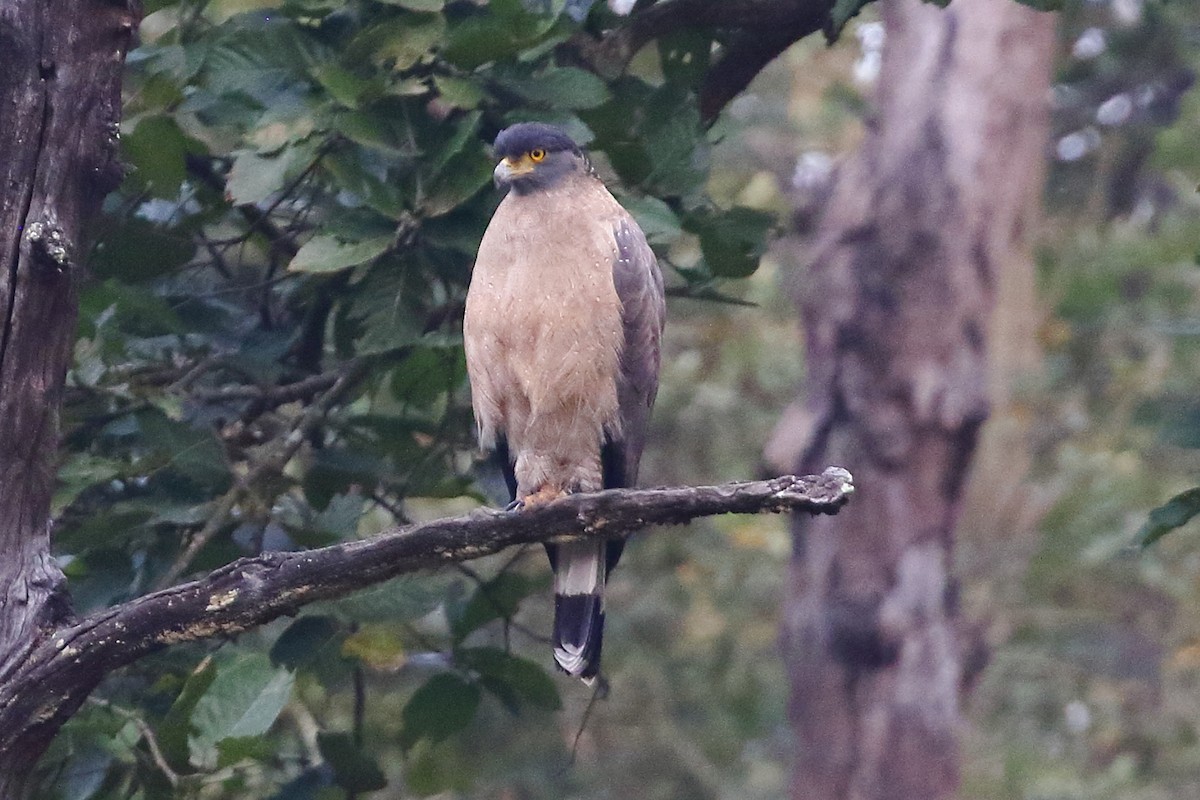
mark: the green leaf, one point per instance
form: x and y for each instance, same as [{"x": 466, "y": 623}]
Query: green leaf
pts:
[
  {"x": 458, "y": 92},
  {"x": 84, "y": 772},
  {"x": 221, "y": 10},
  {"x": 336, "y": 470},
  {"x": 140, "y": 312},
  {"x": 254, "y": 177},
  {"x": 435, "y": 769},
  {"x": 341, "y": 516},
  {"x": 397, "y": 600},
  {"x": 114, "y": 526},
  {"x": 443, "y": 706},
  {"x": 377, "y": 646},
  {"x": 504, "y": 29},
  {"x": 353, "y": 770},
  {"x": 426, "y": 375},
  {"x": 138, "y": 250},
  {"x": 464, "y": 132},
  {"x": 376, "y": 128},
  {"x": 564, "y": 87},
  {"x": 398, "y": 44},
  {"x": 275, "y": 131},
  {"x": 189, "y": 452},
  {"x": 328, "y": 253},
  {"x": 244, "y": 700},
  {"x": 673, "y": 139},
  {"x": 355, "y": 178},
  {"x": 81, "y": 471},
  {"x": 176, "y": 727},
  {"x": 261, "y": 58},
  {"x": 462, "y": 178},
  {"x": 385, "y": 311},
  {"x": 1173, "y": 514},
  {"x": 653, "y": 137},
  {"x": 497, "y": 598},
  {"x": 303, "y": 640},
  {"x": 237, "y": 749},
  {"x": 654, "y": 217},
  {"x": 732, "y": 241},
  {"x": 343, "y": 86},
  {"x": 156, "y": 149},
  {"x": 505, "y": 674}
]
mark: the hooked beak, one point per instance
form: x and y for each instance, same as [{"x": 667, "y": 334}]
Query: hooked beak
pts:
[{"x": 508, "y": 169}]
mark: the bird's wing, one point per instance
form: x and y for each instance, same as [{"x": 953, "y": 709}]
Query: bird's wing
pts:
[
  {"x": 581, "y": 568},
  {"x": 639, "y": 286}
]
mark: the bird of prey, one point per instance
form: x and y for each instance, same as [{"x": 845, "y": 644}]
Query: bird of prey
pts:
[{"x": 563, "y": 323}]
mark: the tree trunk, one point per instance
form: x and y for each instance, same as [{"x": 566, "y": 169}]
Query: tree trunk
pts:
[
  {"x": 896, "y": 309},
  {"x": 60, "y": 103}
]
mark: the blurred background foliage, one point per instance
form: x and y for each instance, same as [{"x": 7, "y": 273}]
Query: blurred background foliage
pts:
[{"x": 269, "y": 357}]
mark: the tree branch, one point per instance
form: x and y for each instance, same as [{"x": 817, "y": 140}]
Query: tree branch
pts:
[
  {"x": 759, "y": 31},
  {"x": 743, "y": 59},
  {"x": 38, "y": 695},
  {"x": 274, "y": 462}
]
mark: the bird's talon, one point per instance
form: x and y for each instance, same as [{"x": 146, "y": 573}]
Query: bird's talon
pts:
[
  {"x": 515, "y": 505},
  {"x": 541, "y": 497}
]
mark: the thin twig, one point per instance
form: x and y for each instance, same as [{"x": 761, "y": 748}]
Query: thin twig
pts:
[
  {"x": 272, "y": 396},
  {"x": 274, "y": 462},
  {"x": 194, "y": 373},
  {"x": 147, "y": 733},
  {"x": 509, "y": 622},
  {"x": 307, "y": 729},
  {"x": 599, "y": 691}
]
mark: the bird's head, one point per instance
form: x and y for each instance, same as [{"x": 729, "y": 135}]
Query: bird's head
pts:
[{"x": 535, "y": 156}]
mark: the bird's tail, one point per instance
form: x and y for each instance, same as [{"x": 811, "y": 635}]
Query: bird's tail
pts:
[{"x": 579, "y": 573}]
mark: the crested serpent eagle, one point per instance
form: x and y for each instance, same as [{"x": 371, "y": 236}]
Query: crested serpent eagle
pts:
[{"x": 563, "y": 324}]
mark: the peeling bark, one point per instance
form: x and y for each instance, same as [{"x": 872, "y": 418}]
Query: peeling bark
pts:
[{"x": 896, "y": 310}]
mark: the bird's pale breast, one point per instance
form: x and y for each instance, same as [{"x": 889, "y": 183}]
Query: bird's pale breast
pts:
[{"x": 543, "y": 331}]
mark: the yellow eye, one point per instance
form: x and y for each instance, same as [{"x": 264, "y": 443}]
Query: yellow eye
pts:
[{"x": 537, "y": 155}]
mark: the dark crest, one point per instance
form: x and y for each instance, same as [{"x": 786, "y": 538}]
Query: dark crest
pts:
[{"x": 519, "y": 139}]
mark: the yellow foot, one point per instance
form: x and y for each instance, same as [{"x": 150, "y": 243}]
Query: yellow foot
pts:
[{"x": 542, "y": 496}]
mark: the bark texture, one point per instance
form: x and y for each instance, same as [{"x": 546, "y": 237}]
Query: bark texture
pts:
[
  {"x": 60, "y": 101},
  {"x": 63, "y": 662},
  {"x": 897, "y": 310}
]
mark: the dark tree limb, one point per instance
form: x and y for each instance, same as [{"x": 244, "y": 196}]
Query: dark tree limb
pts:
[
  {"x": 757, "y": 32},
  {"x": 44, "y": 690},
  {"x": 744, "y": 59}
]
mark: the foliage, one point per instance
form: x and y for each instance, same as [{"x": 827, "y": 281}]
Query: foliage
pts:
[
  {"x": 206, "y": 387},
  {"x": 269, "y": 357}
]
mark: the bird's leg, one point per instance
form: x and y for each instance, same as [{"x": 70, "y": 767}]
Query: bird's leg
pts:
[{"x": 545, "y": 494}]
